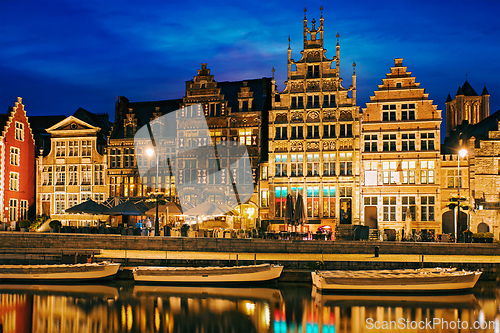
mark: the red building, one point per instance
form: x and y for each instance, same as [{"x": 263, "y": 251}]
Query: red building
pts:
[{"x": 17, "y": 165}]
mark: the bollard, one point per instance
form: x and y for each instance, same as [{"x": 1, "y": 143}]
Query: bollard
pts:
[
  {"x": 422, "y": 261},
  {"x": 377, "y": 251},
  {"x": 236, "y": 260},
  {"x": 255, "y": 258}
]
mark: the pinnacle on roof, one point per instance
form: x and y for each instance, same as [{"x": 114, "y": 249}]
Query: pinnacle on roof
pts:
[
  {"x": 459, "y": 91},
  {"x": 467, "y": 89},
  {"x": 485, "y": 92},
  {"x": 448, "y": 99}
]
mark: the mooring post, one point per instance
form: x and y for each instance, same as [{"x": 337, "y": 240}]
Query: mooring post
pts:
[
  {"x": 236, "y": 260},
  {"x": 422, "y": 261},
  {"x": 255, "y": 258}
]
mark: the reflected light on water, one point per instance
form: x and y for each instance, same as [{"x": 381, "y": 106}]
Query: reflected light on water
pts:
[{"x": 276, "y": 309}]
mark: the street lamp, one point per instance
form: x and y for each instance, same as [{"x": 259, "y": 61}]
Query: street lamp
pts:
[
  {"x": 150, "y": 152},
  {"x": 462, "y": 153}
]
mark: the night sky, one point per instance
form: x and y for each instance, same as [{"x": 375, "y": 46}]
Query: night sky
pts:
[{"x": 61, "y": 55}]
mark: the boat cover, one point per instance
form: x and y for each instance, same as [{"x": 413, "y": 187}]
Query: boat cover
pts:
[{"x": 160, "y": 271}]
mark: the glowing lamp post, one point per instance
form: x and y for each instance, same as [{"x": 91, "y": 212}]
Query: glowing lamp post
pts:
[
  {"x": 461, "y": 154},
  {"x": 150, "y": 152}
]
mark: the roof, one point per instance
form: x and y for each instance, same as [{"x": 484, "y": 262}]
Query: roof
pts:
[
  {"x": 98, "y": 120},
  {"x": 466, "y": 131},
  {"x": 485, "y": 91},
  {"x": 143, "y": 112},
  {"x": 468, "y": 90},
  {"x": 40, "y": 123},
  {"x": 261, "y": 88}
]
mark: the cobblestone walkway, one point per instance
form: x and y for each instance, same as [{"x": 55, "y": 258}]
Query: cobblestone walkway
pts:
[{"x": 295, "y": 256}]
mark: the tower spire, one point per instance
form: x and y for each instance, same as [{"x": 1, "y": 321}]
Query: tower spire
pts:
[{"x": 305, "y": 26}]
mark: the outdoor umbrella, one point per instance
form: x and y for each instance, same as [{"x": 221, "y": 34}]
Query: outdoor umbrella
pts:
[
  {"x": 209, "y": 209},
  {"x": 299, "y": 215},
  {"x": 87, "y": 207},
  {"x": 126, "y": 208},
  {"x": 408, "y": 222},
  {"x": 289, "y": 209},
  {"x": 173, "y": 208}
]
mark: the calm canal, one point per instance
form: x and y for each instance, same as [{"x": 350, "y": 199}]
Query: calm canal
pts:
[{"x": 279, "y": 308}]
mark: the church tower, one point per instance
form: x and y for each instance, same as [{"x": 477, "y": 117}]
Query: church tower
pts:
[
  {"x": 467, "y": 106},
  {"x": 314, "y": 137}
]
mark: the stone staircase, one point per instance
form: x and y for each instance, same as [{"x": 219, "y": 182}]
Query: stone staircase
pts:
[{"x": 373, "y": 235}]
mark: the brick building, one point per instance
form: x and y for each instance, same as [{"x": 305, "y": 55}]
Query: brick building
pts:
[
  {"x": 401, "y": 160},
  {"x": 234, "y": 111},
  {"x": 480, "y": 173},
  {"x": 314, "y": 138},
  {"x": 17, "y": 165}
]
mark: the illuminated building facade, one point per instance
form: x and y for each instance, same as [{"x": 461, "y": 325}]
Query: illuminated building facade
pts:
[
  {"x": 17, "y": 165},
  {"x": 467, "y": 106},
  {"x": 479, "y": 172},
  {"x": 401, "y": 157},
  {"x": 314, "y": 138},
  {"x": 73, "y": 170},
  {"x": 235, "y": 111}
]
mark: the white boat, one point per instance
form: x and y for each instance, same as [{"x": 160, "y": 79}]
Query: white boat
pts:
[
  {"x": 207, "y": 275},
  {"x": 402, "y": 280},
  {"x": 71, "y": 272}
]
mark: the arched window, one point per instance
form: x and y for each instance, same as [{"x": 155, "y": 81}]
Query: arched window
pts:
[{"x": 483, "y": 227}]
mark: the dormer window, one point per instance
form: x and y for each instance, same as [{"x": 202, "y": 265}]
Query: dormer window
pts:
[{"x": 398, "y": 84}]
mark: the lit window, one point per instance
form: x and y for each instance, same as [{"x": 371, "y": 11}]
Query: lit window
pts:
[
  {"x": 297, "y": 161},
  {"x": 19, "y": 131},
  {"x": 408, "y": 207},
  {"x": 245, "y": 135},
  {"x": 12, "y": 209},
  {"x": 280, "y": 201},
  {"x": 312, "y": 201},
  {"x": 408, "y": 173},
  {"x": 389, "y": 172},
  {"x": 14, "y": 181},
  {"x": 345, "y": 161},
  {"x": 60, "y": 203},
  {"x": 14, "y": 156},
  {"x": 264, "y": 198},
  {"x": 280, "y": 163},
  {"x": 24, "y": 210},
  {"x": 328, "y": 201},
  {"x": 427, "y": 204},
  {"x": 329, "y": 165},
  {"x": 427, "y": 172},
  {"x": 389, "y": 208}
]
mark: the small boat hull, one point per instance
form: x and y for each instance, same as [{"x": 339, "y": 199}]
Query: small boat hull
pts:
[
  {"x": 395, "y": 281},
  {"x": 207, "y": 275},
  {"x": 58, "y": 273}
]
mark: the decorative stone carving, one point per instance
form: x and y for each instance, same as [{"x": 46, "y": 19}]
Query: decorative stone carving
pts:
[
  {"x": 328, "y": 85},
  {"x": 296, "y": 146},
  {"x": 313, "y": 86},
  {"x": 311, "y": 146},
  {"x": 329, "y": 115},
  {"x": 313, "y": 116},
  {"x": 281, "y": 118},
  {"x": 329, "y": 145},
  {"x": 297, "y": 116},
  {"x": 345, "y": 115}
]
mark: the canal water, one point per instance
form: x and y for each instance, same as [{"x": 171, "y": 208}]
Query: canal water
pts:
[{"x": 279, "y": 308}]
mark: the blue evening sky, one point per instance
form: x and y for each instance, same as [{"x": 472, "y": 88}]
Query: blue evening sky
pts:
[{"x": 60, "y": 55}]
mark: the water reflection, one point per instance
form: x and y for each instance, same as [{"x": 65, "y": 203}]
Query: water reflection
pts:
[{"x": 283, "y": 308}]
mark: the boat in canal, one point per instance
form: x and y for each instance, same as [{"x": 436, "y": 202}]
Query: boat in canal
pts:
[
  {"x": 59, "y": 272},
  {"x": 207, "y": 275},
  {"x": 400, "y": 280}
]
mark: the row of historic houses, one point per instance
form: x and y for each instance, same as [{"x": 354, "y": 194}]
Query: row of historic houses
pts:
[{"x": 382, "y": 166}]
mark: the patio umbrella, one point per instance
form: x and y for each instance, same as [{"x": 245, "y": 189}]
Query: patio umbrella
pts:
[
  {"x": 87, "y": 207},
  {"x": 408, "y": 222},
  {"x": 299, "y": 215},
  {"x": 209, "y": 209},
  {"x": 289, "y": 209},
  {"x": 173, "y": 208},
  {"x": 126, "y": 208}
]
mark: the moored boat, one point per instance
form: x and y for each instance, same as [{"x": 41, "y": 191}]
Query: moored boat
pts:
[
  {"x": 52, "y": 273},
  {"x": 402, "y": 280},
  {"x": 207, "y": 275}
]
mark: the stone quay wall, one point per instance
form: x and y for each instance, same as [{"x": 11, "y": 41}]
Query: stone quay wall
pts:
[{"x": 13, "y": 240}]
